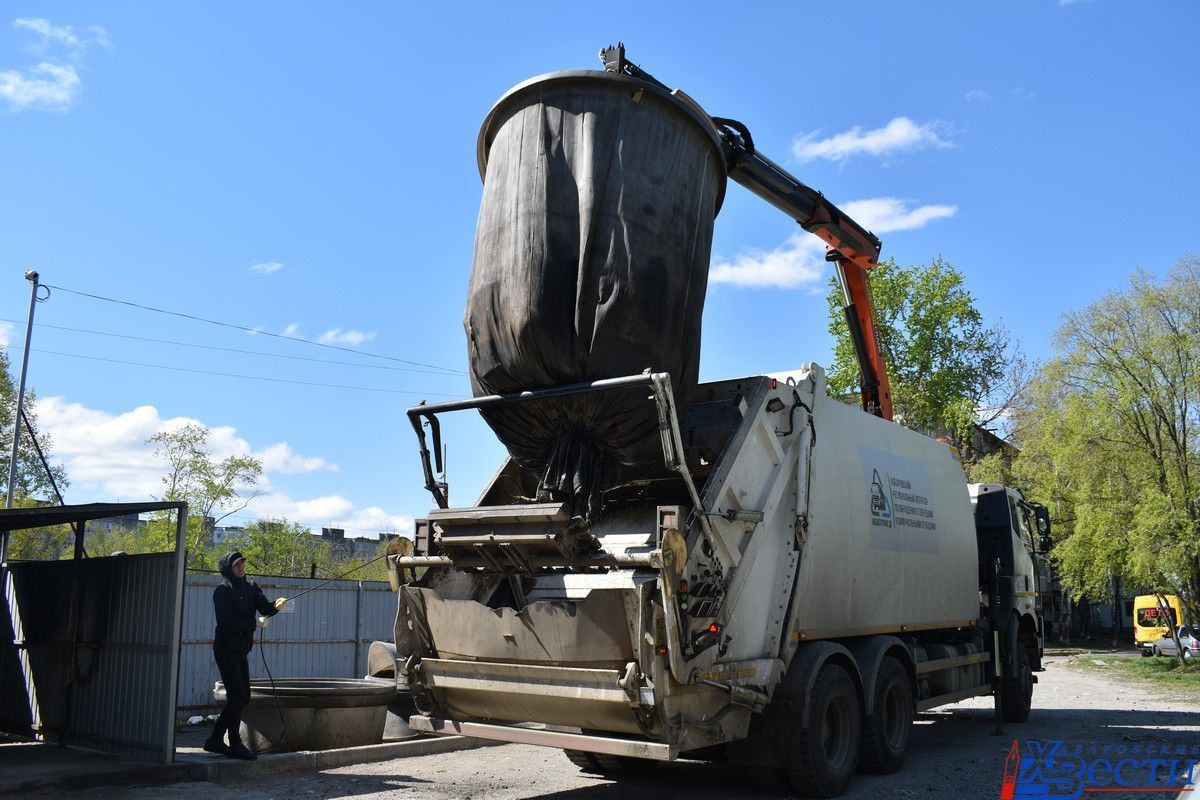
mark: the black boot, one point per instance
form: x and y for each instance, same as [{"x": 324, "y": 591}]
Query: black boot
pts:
[
  {"x": 215, "y": 743},
  {"x": 239, "y": 750}
]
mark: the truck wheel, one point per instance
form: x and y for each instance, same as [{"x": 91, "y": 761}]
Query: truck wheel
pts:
[
  {"x": 827, "y": 738},
  {"x": 886, "y": 732},
  {"x": 1016, "y": 695},
  {"x": 585, "y": 761},
  {"x": 610, "y": 764}
]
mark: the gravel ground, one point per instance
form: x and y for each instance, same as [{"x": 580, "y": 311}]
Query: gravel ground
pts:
[{"x": 953, "y": 756}]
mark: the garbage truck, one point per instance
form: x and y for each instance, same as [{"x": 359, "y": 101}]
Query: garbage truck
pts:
[{"x": 749, "y": 570}]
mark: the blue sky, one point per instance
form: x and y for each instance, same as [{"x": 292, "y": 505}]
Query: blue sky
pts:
[{"x": 309, "y": 170}]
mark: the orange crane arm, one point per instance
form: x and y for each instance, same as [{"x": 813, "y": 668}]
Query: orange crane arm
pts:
[
  {"x": 876, "y": 393},
  {"x": 852, "y": 248}
]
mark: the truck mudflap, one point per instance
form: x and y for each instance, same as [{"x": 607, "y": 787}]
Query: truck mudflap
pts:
[
  {"x": 607, "y": 745},
  {"x": 591, "y": 699}
]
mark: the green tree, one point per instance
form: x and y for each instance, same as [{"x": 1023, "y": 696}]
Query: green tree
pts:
[
  {"x": 372, "y": 568},
  {"x": 32, "y": 480},
  {"x": 282, "y": 547},
  {"x": 212, "y": 488},
  {"x": 1109, "y": 438},
  {"x": 40, "y": 544},
  {"x": 947, "y": 369},
  {"x": 279, "y": 547},
  {"x": 150, "y": 538},
  {"x": 992, "y": 468},
  {"x": 33, "y": 485}
]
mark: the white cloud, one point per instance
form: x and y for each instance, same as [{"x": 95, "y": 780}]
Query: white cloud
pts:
[
  {"x": 100, "y": 36},
  {"x": 329, "y": 511},
  {"x": 887, "y": 214},
  {"x": 280, "y": 457},
  {"x": 266, "y": 267},
  {"x": 46, "y": 87},
  {"x": 374, "y": 519},
  {"x": 796, "y": 262},
  {"x": 63, "y": 34},
  {"x": 107, "y": 454},
  {"x": 6, "y": 332},
  {"x": 318, "y": 509},
  {"x": 53, "y": 84},
  {"x": 978, "y": 96},
  {"x": 800, "y": 261},
  {"x": 104, "y": 454},
  {"x": 352, "y": 337},
  {"x": 108, "y": 459},
  {"x": 901, "y": 134}
]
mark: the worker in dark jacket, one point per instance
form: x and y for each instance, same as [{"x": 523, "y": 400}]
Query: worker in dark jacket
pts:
[{"x": 235, "y": 602}]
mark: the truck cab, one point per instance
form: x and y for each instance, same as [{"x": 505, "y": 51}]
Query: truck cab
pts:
[{"x": 1012, "y": 534}]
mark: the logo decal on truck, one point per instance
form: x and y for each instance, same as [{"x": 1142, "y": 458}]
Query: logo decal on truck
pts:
[{"x": 898, "y": 494}]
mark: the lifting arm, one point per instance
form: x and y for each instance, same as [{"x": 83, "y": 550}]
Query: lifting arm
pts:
[{"x": 852, "y": 249}]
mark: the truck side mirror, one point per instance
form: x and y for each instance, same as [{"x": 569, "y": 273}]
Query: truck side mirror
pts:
[{"x": 1042, "y": 514}]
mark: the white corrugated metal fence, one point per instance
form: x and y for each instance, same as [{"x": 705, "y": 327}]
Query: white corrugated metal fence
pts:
[{"x": 325, "y": 633}]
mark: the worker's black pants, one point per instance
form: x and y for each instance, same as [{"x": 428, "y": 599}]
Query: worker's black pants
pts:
[{"x": 235, "y": 674}]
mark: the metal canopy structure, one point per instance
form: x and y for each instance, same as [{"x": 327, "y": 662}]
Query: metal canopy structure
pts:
[
  {"x": 89, "y": 646},
  {"x": 21, "y": 518}
]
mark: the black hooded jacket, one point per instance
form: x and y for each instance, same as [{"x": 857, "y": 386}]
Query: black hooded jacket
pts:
[{"x": 235, "y": 602}]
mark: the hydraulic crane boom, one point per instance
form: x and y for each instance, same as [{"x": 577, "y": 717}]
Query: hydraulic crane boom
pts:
[{"x": 852, "y": 249}]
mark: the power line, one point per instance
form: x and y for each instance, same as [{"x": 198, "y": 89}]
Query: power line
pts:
[
  {"x": 235, "y": 350},
  {"x": 252, "y": 330},
  {"x": 245, "y": 377}
]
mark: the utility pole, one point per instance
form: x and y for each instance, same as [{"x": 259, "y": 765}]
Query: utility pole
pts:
[{"x": 32, "y": 277}]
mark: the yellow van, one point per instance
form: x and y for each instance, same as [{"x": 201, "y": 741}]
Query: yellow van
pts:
[{"x": 1150, "y": 621}]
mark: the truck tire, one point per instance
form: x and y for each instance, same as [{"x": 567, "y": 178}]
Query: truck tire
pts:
[
  {"x": 886, "y": 732},
  {"x": 827, "y": 737},
  {"x": 610, "y": 764},
  {"x": 585, "y": 761},
  {"x": 1016, "y": 690}
]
